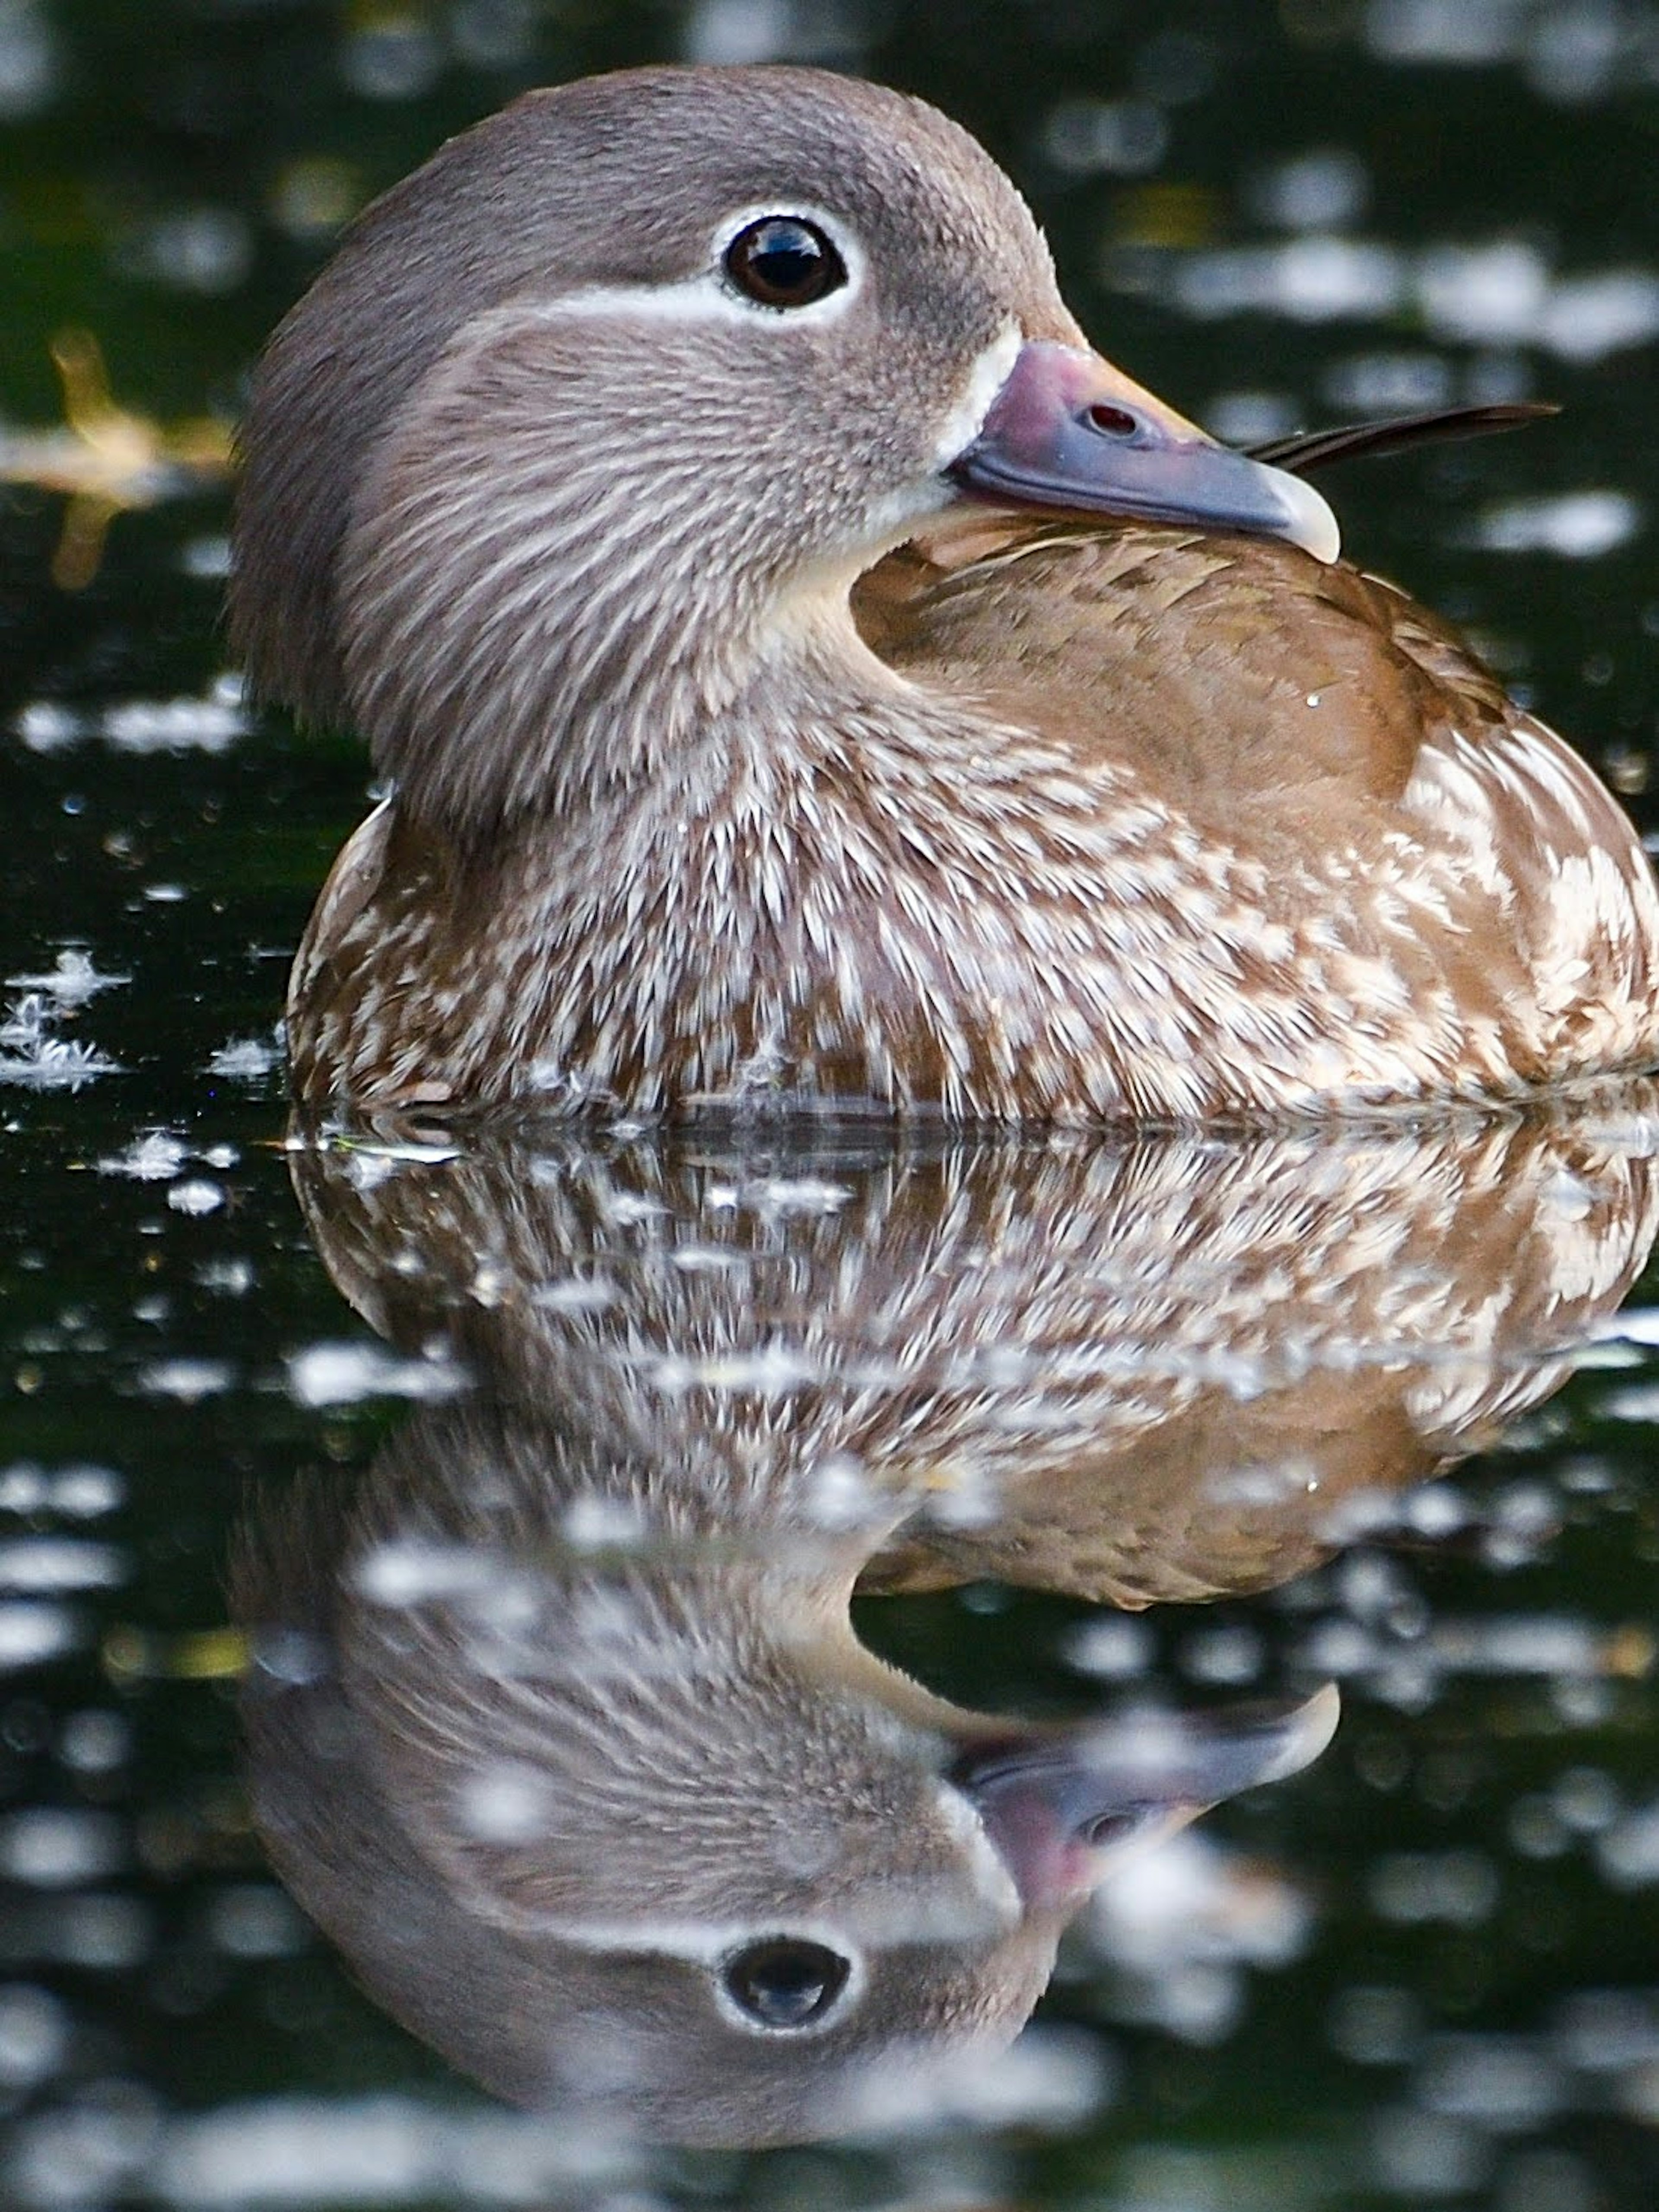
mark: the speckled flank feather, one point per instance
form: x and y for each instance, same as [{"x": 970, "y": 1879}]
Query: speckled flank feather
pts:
[
  {"x": 1111, "y": 822},
  {"x": 888, "y": 899},
  {"x": 1568, "y": 880}
]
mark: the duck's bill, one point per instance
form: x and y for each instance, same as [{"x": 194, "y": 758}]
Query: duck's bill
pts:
[
  {"x": 1060, "y": 1806},
  {"x": 1070, "y": 434}
]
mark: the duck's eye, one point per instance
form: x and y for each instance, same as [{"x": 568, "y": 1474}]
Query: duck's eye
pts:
[
  {"x": 1110, "y": 1828},
  {"x": 784, "y": 261},
  {"x": 785, "y": 1982}
]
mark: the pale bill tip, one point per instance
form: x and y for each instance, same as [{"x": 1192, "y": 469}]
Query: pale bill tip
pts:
[
  {"x": 1310, "y": 1728},
  {"x": 1309, "y": 522}
]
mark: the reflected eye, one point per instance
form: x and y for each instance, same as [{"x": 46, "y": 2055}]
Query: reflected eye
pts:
[
  {"x": 784, "y": 261},
  {"x": 1110, "y": 1828},
  {"x": 784, "y": 1982}
]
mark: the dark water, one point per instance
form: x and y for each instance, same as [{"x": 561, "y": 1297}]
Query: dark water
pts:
[{"x": 1352, "y": 1410}]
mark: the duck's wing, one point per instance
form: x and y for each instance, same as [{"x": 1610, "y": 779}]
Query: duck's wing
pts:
[
  {"x": 1234, "y": 678},
  {"x": 1319, "y": 720}
]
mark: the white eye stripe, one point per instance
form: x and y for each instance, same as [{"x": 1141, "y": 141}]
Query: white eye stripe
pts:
[
  {"x": 710, "y": 296},
  {"x": 704, "y": 299},
  {"x": 709, "y": 1947},
  {"x": 697, "y": 1942}
]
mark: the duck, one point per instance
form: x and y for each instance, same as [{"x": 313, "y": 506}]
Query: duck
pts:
[
  {"x": 806, "y": 676},
  {"x": 562, "y": 1722}
]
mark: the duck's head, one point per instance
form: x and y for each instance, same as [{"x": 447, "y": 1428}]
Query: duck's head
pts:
[
  {"x": 604, "y": 409},
  {"x": 644, "y": 1830}
]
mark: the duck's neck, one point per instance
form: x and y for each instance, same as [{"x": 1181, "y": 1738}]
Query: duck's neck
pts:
[
  {"x": 782, "y": 699},
  {"x": 568, "y": 726},
  {"x": 531, "y": 620}
]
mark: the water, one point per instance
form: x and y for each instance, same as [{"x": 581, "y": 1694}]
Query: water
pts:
[{"x": 1425, "y": 1970}]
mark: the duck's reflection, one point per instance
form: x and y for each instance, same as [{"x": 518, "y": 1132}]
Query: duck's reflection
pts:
[{"x": 559, "y": 1725}]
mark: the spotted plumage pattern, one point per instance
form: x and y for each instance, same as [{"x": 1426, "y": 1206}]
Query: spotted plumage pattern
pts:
[{"x": 962, "y": 913}]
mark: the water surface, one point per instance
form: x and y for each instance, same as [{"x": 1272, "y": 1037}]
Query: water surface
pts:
[{"x": 1083, "y": 1430}]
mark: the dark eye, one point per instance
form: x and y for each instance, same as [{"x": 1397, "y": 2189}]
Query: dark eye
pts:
[
  {"x": 783, "y": 261},
  {"x": 1110, "y": 1828},
  {"x": 784, "y": 1982}
]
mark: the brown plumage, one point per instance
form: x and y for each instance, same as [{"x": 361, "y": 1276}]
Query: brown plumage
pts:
[{"x": 749, "y": 746}]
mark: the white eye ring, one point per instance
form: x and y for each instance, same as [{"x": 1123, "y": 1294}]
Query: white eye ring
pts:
[
  {"x": 784, "y": 262},
  {"x": 788, "y": 1984},
  {"x": 710, "y": 296},
  {"x": 838, "y": 241}
]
